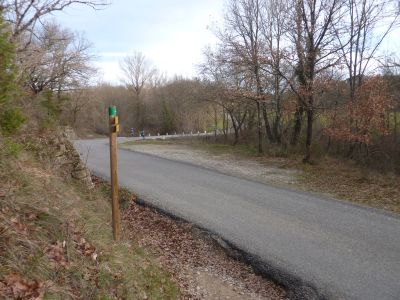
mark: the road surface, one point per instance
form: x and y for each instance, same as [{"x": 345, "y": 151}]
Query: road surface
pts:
[{"x": 319, "y": 247}]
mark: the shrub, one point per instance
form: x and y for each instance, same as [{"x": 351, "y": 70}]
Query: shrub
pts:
[
  {"x": 11, "y": 120},
  {"x": 10, "y": 117}
]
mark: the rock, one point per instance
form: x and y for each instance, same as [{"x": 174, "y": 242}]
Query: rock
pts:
[
  {"x": 62, "y": 160},
  {"x": 69, "y": 133},
  {"x": 80, "y": 174},
  {"x": 79, "y": 166},
  {"x": 59, "y": 151},
  {"x": 62, "y": 148}
]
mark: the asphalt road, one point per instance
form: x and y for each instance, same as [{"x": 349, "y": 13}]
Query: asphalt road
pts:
[{"x": 320, "y": 246}]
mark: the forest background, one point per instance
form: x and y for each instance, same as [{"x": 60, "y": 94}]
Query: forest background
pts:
[{"x": 308, "y": 77}]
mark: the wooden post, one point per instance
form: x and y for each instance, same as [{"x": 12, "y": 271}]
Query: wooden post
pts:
[{"x": 116, "y": 216}]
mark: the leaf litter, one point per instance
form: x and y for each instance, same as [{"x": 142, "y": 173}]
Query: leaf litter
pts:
[{"x": 201, "y": 268}]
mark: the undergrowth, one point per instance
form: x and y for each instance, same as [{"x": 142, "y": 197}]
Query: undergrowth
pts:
[{"x": 56, "y": 239}]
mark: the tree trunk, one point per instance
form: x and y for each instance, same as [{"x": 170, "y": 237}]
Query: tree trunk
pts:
[
  {"x": 235, "y": 128},
  {"x": 250, "y": 119},
  {"x": 310, "y": 121},
  {"x": 215, "y": 123},
  {"x": 328, "y": 145},
  {"x": 395, "y": 125},
  {"x": 277, "y": 128},
  {"x": 351, "y": 150},
  {"x": 241, "y": 121},
  {"x": 224, "y": 130},
  {"x": 259, "y": 128},
  {"x": 74, "y": 118},
  {"x": 298, "y": 118},
  {"x": 277, "y": 96},
  {"x": 268, "y": 130}
]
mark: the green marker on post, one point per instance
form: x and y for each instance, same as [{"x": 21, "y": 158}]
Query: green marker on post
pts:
[{"x": 112, "y": 111}]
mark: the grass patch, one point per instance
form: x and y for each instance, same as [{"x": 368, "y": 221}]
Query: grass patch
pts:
[{"x": 56, "y": 240}]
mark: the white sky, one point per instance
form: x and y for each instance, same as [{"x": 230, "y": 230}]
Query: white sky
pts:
[{"x": 171, "y": 33}]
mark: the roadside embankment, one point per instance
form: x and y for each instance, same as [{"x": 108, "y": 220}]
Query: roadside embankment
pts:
[{"x": 55, "y": 233}]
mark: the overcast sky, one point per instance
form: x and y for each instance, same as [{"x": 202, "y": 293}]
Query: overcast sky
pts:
[{"x": 171, "y": 33}]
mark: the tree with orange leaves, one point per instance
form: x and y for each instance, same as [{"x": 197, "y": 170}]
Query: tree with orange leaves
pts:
[{"x": 360, "y": 120}]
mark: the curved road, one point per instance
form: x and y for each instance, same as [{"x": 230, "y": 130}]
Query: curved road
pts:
[{"x": 319, "y": 247}]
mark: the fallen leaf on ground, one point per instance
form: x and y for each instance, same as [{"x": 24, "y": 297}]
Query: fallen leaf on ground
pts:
[
  {"x": 56, "y": 255},
  {"x": 17, "y": 287},
  {"x": 94, "y": 256},
  {"x": 85, "y": 247},
  {"x": 31, "y": 216},
  {"x": 21, "y": 228}
]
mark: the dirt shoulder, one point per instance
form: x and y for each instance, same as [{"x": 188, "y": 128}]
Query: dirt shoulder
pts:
[{"x": 340, "y": 179}]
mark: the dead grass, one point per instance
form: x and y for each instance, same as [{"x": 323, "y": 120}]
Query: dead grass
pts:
[
  {"x": 56, "y": 241},
  {"x": 203, "y": 144},
  {"x": 340, "y": 178},
  {"x": 346, "y": 180}
]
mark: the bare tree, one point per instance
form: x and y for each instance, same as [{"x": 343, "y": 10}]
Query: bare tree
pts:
[
  {"x": 223, "y": 85},
  {"x": 367, "y": 24},
  {"x": 56, "y": 60},
  {"x": 316, "y": 51},
  {"x": 24, "y": 15},
  {"x": 138, "y": 72},
  {"x": 78, "y": 101},
  {"x": 242, "y": 41},
  {"x": 274, "y": 30}
]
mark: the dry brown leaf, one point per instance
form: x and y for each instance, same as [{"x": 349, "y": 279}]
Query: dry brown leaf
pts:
[
  {"x": 21, "y": 228},
  {"x": 56, "y": 255},
  {"x": 94, "y": 256},
  {"x": 17, "y": 287},
  {"x": 85, "y": 247},
  {"x": 31, "y": 216}
]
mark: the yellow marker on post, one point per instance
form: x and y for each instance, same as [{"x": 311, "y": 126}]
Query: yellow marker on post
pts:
[{"x": 116, "y": 215}]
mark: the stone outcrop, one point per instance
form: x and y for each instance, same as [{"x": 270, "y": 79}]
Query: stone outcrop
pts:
[
  {"x": 58, "y": 150},
  {"x": 69, "y": 133}
]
